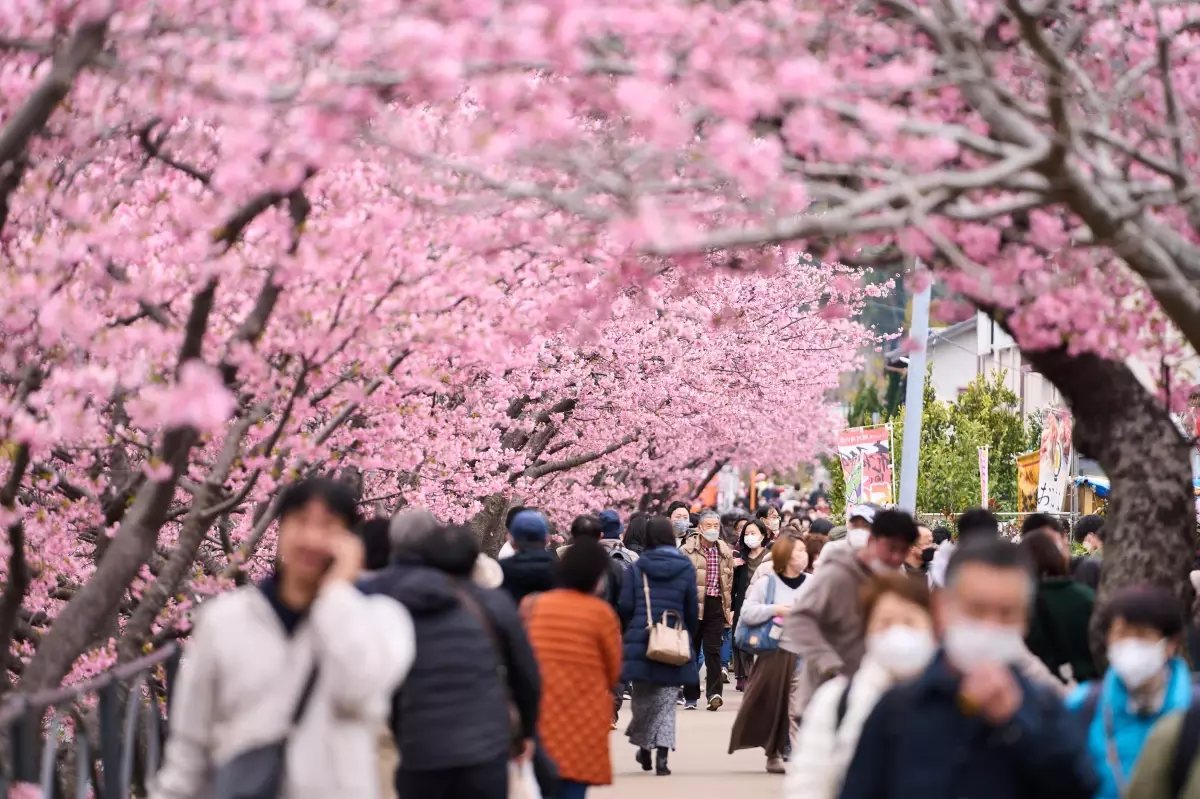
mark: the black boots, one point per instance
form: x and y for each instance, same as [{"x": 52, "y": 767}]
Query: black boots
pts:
[{"x": 660, "y": 760}]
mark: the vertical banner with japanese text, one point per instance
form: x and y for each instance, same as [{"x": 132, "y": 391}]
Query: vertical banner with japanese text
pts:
[
  {"x": 1027, "y": 481},
  {"x": 1054, "y": 465},
  {"x": 983, "y": 475},
  {"x": 866, "y": 456}
]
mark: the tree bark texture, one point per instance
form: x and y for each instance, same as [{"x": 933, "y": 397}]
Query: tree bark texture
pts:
[
  {"x": 1151, "y": 519},
  {"x": 488, "y": 524}
]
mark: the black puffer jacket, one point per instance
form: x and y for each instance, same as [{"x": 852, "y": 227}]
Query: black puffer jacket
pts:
[
  {"x": 529, "y": 571},
  {"x": 452, "y": 711}
]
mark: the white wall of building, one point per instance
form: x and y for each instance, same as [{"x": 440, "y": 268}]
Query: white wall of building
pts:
[
  {"x": 952, "y": 360},
  {"x": 961, "y": 353}
]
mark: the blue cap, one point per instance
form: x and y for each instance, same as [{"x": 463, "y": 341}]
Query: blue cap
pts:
[
  {"x": 529, "y": 525},
  {"x": 610, "y": 524}
]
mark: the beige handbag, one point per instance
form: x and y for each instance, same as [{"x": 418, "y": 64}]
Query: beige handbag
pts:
[{"x": 669, "y": 645}]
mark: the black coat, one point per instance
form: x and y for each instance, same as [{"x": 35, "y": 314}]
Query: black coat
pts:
[
  {"x": 742, "y": 576},
  {"x": 452, "y": 710},
  {"x": 918, "y": 742},
  {"x": 672, "y": 579},
  {"x": 529, "y": 571}
]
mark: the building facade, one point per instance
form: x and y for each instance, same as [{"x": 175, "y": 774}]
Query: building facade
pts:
[{"x": 960, "y": 353}]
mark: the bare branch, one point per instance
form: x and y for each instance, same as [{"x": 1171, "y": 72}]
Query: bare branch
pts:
[
  {"x": 537, "y": 472},
  {"x": 195, "y": 526},
  {"x": 229, "y": 233},
  {"x": 79, "y": 51},
  {"x": 153, "y": 149}
]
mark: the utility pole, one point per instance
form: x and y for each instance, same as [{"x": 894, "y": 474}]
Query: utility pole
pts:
[{"x": 914, "y": 398}]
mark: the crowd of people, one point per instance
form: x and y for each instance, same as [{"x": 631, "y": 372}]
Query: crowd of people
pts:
[{"x": 879, "y": 659}]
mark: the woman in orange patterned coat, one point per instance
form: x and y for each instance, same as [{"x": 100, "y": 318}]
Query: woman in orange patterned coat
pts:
[{"x": 577, "y": 640}]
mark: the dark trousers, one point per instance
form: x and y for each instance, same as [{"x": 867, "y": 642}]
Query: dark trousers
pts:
[
  {"x": 712, "y": 631},
  {"x": 572, "y": 790},
  {"x": 488, "y": 781}
]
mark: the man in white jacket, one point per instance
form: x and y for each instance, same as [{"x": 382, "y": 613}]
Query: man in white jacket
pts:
[{"x": 254, "y": 650}]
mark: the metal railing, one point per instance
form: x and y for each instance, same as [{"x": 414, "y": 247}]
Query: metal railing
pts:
[{"x": 68, "y": 746}]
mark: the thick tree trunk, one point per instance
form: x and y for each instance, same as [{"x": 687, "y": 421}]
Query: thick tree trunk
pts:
[
  {"x": 488, "y": 524},
  {"x": 1151, "y": 519},
  {"x": 20, "y": 576},
  {"x": 708, "y": 478},
  {"x": 100, "y": 597},
  {"x": 187, "y": 546}
]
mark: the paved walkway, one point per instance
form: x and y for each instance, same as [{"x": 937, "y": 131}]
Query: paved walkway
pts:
[{"x": 700, "y": 766}]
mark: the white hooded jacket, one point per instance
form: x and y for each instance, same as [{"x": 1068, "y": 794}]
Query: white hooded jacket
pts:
[
  {"x": 823, "y": 748},
  {"x": 241, "y": 677}
]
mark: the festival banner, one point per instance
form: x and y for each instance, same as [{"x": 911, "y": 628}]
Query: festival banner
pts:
[
  {"x": 1054, "y": 469},
  {"x": 1027, "y": 481},
  {"x": 983, "y": 475},
  {"x": 866, "y": 456}
]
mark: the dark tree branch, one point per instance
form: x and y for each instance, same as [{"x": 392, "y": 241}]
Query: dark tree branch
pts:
[
  {"x": 331, "y": 427},
  {"x": 231, "y": 232},
  {"x": 542, "y": 470},
  {"x": 716, "y": 467},
  {"x": 156, "y": 313},
  {"x": 152, "y": 145},
  {"x": 197, "y": 324},
  {"x": 133, "y": 545},
  {"x": 80, "y": 50},
  {"x": 19, "y": 575},
  {"x": 195, "y": 527}
]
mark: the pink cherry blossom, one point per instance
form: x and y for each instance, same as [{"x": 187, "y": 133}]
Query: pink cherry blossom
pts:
[{"x": 540, "y": 250}]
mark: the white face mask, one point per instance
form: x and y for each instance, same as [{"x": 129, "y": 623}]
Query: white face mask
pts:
[
  {"x": 710, "y": 535},
  {"x": 904, "y": 651},
  {"x": 970, "y": 644},
  {"x": 754, "y": 541},
  {"x": 773, "y": 525},
  {"x": 858, "y": 537},
  {"x": 681, "y": 527},
  {"x": 1137, "y": 662}
]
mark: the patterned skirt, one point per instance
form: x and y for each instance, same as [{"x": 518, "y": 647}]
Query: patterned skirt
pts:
[{"x": 653, "y": 723}]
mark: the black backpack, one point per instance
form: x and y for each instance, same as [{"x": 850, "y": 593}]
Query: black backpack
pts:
[
  {"x": 618, "y": 569},
  {"x": 1185, "y": 746}
]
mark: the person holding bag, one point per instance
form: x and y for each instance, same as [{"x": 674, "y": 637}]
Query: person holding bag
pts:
[
  {"x": 283, "y": 685},
  {"x": 763, "y": 719},
  {"x": 659, "y": 608}
]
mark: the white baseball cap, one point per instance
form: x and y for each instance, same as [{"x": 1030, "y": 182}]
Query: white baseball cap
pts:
[{"x": 864, "y": 512}]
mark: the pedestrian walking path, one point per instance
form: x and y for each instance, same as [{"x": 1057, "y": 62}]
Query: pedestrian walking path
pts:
[{"x": 700, "y": 766}]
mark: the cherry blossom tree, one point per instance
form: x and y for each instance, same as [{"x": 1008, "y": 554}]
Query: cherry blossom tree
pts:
[
  {"x": 348, "y": 226},
  {"x": 223, "y": 274},
  {"x": 1040, "y": 155}
]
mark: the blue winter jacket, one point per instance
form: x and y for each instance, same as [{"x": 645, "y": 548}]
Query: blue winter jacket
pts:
[
  {"x": 672, "y": 579},
  {"x": 918, "y": 743},
  {"x": 1130, "y": 730}
]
